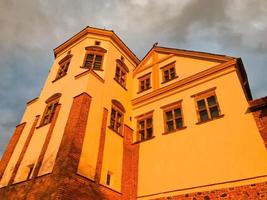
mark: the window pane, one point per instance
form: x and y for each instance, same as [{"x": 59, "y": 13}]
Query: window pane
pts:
[
  {"x": 149, "y": 122},
  {"x": 97, "y": 65},
  {"x": 149, "y": 133},
  {"x": 141, "y": 125},
  {"x": 147, "y": 83},
  {"x": 211, "y": 101},
  {"x": 88, "y": 64},
  {"x": 170, "y": 126},
  {"x": 118, "y": 125},
  {"x": 119, "y": 117},
  {"x": 177, "y": 112},
  {"x": 179, "y": 123},
  {"x": 201, "y": 104},
  {"x": 142, "y": 135},
  {"x": 113, "y": 114},
  {"x": 90, "y": 57},
  {"x": 169, "y": 115},
  {"x": 98, "y": 58},
  {"x": 203, "y": 115},
  {"x": 214, "y": 112}
]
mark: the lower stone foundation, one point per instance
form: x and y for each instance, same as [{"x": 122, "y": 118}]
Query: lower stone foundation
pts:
[
  {"x": 246, "y": 192},
  {"x": 52, "y": 187}
]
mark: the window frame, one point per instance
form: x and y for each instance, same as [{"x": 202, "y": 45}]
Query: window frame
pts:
[
  {"x": 93, "y": 61},
  {"x": 168, "y": 68},
  {"x": 144, "y": 117},
  {"x": 144, "y": 79},
  {"x": 172, "y": 107},
  {"x": 119, "y": 109},
  {"x": 204, "y": 96},
  {"x": 51, "y": 101},
  {"x": 95, "y": 51},
  {"x": 122, "y": 69},
  {"x": 62, "y": 63}
]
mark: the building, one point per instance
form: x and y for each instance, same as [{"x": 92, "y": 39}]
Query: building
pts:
[{"x": 176, "y": 125}]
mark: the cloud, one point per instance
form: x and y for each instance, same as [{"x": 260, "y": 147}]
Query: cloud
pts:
[{"x": 31, "y": 29}]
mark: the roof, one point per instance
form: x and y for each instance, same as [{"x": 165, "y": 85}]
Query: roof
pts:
[{"x": 97, "y": 31}]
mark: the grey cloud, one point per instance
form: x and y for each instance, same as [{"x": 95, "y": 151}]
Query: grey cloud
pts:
[{"x": 30, "y": 30}]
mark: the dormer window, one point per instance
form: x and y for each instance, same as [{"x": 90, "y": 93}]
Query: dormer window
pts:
[
  {"x": 94, "y": 57},
  {"x": 168, "y": 72},
  {"x": 144, "y": 82}
]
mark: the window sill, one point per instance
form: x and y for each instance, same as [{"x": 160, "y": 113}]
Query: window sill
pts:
[
  {"x": 120, "y": 84},
  {"x": 141, "y": 141},
  {"x": 91, "y": 68},
  {"x": 115, "y": 131},
  {"x": 42, "y": 125},
  {"x": 170, "y": 132},
  {"x": 56, "y": 79},
  {"x": 166, "y": 81},
  {"x": 144, "y": 90},
  {"x": 202, "y": 122}
]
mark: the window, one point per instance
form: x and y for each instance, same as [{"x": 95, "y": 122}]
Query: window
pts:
[
  {"x": 94, "y": 57},
  {"x": 50, "y": 109},
  {"x": 116, "y": 117},
  {"x": 97, "y": 43},
  {"x": 62, "y": 71},
  {"x": 207, "y": 106},
  {"x": 145, "y": 127},
  {"x": 121, "y": 73},
  {"x": 168, "y": 72},
  {"x": 30, "y": 170},
  {"x": 108, "y": 180},
  {"x": 63, "y": 66},
  {"x": 173, "y": 118},
  {"x": 144, "y": 82},
  {"x": 93, "y": 61}
]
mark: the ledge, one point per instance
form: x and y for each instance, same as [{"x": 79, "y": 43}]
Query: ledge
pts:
[
  {"x": 115, "y": 131},
  {"x": 202, "y": 122},
  {"x": 166, "y": 81},
  {"x": 170, "y": 132},
  {"x": 58, "y": 78},
  {"x": 120, "y": 84},
  {"x": 141, "y": 141},
  {"x": 144, "y": 90}
]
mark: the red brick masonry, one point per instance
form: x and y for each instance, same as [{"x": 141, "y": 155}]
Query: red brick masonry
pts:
[
  {"x": 247, "y": 192},
  {"x": 10, "y": 148}
]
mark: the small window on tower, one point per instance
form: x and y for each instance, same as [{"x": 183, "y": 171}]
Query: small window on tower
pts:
[
  {"x": 97, "y": 43},
  {"x": 116, "y": 117},
  {"x": 121, "y": 73},
  {"x": 30, "y": 170},
  {"x": 94, "y": 57},
  {"x": 50, "y": 109},
  {"x": 108, "y": 179}
]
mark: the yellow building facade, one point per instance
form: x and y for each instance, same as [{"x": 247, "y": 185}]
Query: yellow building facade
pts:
[{"x": 106, "y": 125}]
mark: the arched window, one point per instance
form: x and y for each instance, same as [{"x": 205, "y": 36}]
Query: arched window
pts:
[
  {"x": 50, "y": 109},
  {"x": 94, "y": 57},
  {"x": 63, "y": 66},
  {"x": 116, "y": 118}
]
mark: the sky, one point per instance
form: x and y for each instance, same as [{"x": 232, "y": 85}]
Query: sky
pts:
[{"x": 31, "y": 29}]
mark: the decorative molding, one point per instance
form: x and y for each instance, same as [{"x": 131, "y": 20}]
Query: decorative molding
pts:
[
  {"x": 122, "y": 64},
  {"x": 53, "y": 97},
  {"x": 183, "y": 82},
  {"x": 118, "y": 105},
  {"x": 96, "y": 49},
  {"x": 66, "y": 58}
]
